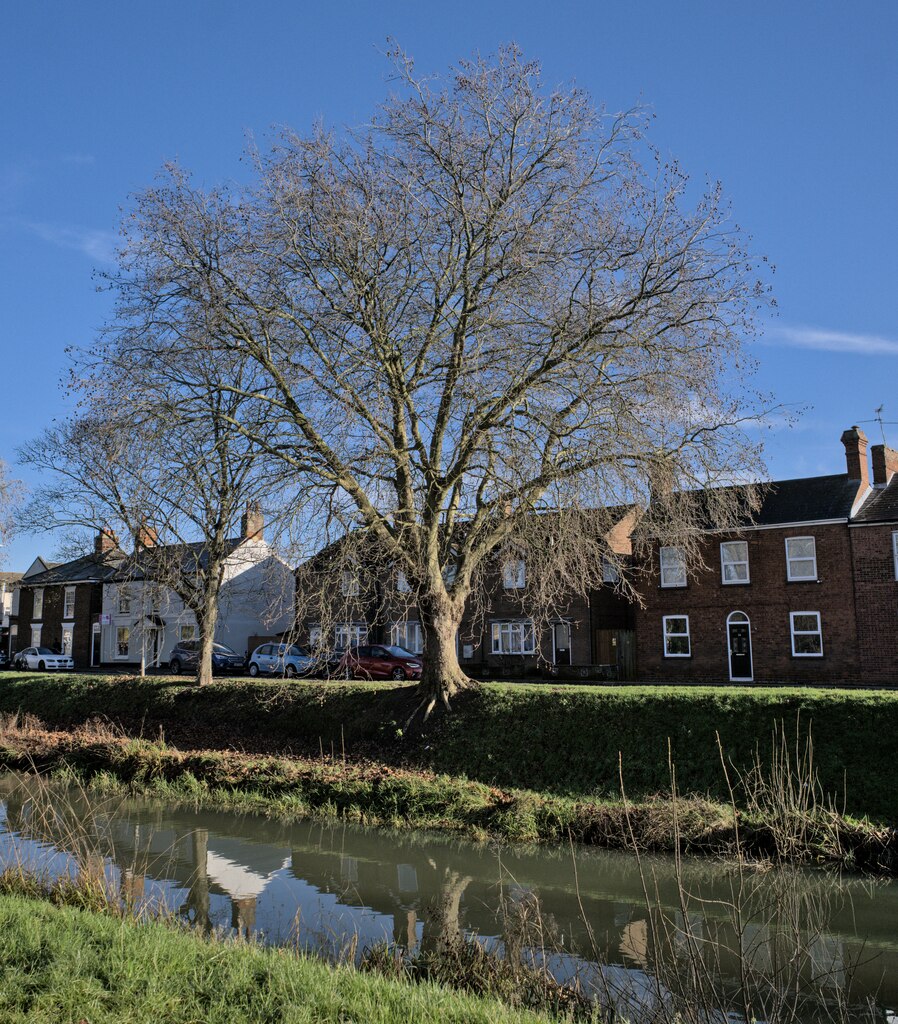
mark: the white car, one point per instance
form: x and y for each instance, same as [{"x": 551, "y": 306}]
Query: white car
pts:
[{"x": 43, "y": 659}]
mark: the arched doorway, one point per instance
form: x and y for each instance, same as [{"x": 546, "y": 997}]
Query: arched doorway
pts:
[{"x": 739, "y": 648}]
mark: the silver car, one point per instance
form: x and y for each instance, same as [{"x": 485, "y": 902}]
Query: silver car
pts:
[
  {"x": 43, "y": 659},
  {"x": 280, "y": 660}
]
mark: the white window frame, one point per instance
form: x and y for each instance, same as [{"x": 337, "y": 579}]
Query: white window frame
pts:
[
  {"x": 402, "y": 584},
  {"x": 610, "y": 572},
  {"x": 514, "y": 574},
  {"x": 36, "y": 636},
  {"x": 818, "y": 632},
  {"x": 353, "y": 633},
  {"x": 68, "y": 628},
  {"x": 349, "y": 583},
  {"x": 181, "y": 630},
  {"x": 67, "y": 596},
  {"x": 665, "y": 635},
  {"x": 117, "y": 641},
  {"x": 124, "y": 601},
  {"x": 409, "y": 635},
  {"x": 504, "y": 631},
  {"x": 315, "y": 635},
  {"x": 678, "y": 566},
  {"x": 790, "y": 576},
  {"x": 895, "y": 552},
  {"x": 734, "y": 562},
  {"x": 37, "y": 610}
]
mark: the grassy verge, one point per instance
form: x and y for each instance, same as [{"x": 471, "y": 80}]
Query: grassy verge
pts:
[
  {"x": 566, "y": 740},
  {"x": 376, "y": 794},
  {"x": 58, "y": 963}
]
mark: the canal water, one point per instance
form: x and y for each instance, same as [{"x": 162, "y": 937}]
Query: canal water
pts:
[{"x": 634, "y": 933}]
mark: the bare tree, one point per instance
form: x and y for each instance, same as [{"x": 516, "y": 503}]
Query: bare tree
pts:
[
  {"x": 479, "y": 324},
  {"x": 11, "y": 493},
  {"x": 151, "y": 456}
]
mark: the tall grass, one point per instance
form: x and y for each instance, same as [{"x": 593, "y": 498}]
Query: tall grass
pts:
[{"x": 759, "y": 953}]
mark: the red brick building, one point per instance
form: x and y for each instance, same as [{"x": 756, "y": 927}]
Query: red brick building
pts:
[
  {"x": 806, "y": 592},
  {"x": 60, "y": 607},
  {"x": 874, "y": 552}
]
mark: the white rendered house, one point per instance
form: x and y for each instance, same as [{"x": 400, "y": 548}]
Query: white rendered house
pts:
[{"x": 143, "y": 619}]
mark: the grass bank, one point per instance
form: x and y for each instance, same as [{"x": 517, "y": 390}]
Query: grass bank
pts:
[
  {"x": 372, "y": 793},
  {"x": 565, "y": 740},
  {"x": 58, "y": 963}
]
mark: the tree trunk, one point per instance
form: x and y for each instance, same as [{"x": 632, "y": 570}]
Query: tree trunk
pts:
[
  {"x": 206, "y": 622},
  {"x": 442, "y": 676}
]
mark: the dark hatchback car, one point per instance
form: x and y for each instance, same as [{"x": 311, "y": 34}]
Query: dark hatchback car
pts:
[
  {"x": 186, "y": 654},
  {"x": 378, "y": 661}
]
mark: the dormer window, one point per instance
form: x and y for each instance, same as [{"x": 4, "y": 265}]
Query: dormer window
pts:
[{"x": 801, "y": 559}]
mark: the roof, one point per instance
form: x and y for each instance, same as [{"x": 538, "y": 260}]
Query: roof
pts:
[
  {"x": 192, "y": 557},
  {"x": 10, "y": 577},
  {"x": 812, "y": 499},
  {"x": 881, "y": 506},
  {"x": 808, "y": 500},
  {"x": 87, "y": 569}
]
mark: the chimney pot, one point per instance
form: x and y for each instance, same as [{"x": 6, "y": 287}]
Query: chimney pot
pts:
[{"x": 855, "y": 441}]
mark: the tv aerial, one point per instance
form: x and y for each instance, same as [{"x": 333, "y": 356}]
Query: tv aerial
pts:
[{"x": 877, "y": 418}]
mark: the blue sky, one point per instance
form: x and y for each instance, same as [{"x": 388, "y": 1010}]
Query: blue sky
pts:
[{"x": 794, "y": 107}]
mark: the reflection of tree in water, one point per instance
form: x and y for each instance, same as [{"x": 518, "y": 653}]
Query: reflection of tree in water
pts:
[
  {"x": 442, "y": 921},
  {"x": 197, "y": 907},
  {"x": 716, "y": 936}
]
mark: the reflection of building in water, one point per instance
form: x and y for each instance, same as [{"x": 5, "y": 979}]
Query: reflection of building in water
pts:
[{"x": 422, "y": 892}]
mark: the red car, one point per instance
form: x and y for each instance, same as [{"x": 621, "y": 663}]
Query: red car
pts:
[{"x": 377, "y": 661}]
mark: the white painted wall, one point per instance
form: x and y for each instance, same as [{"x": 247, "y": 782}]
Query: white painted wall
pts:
[{"x": 256, "y": 598}]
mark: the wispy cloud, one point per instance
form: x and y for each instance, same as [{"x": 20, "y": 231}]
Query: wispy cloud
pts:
[
  {"x": 832, "y": 341},
  {"x": 94, "y": 243}
]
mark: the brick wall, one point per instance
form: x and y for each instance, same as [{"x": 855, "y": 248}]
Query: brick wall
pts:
[
  {"x": 88, "y": 604},
  {"x": 767, "y": 600},
  {"x": 877, "y": 602}
]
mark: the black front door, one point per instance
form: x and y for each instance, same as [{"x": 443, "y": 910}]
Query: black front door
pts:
[
  {"x": 740, "y": 650},
  {"x": 562, "y": 642}
]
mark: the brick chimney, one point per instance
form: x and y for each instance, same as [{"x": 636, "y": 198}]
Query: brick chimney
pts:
[
  {"x": 105, "y": 541},
  {"x": 146, "y": 537},
  {"x": 885, "y": 463},
  {"x": 252, "y": 525},
  {"x": 855, "y": 441}
]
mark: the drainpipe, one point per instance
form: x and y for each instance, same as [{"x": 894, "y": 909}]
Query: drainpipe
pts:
[{"x": 143, "y": 629}]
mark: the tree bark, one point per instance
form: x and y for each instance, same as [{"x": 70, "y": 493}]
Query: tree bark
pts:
[
  {"x": 206, "y": 620},
  {"x": 442, "y": 677}
]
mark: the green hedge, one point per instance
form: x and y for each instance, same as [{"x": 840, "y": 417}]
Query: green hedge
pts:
[{"x": 562, "y": 739}]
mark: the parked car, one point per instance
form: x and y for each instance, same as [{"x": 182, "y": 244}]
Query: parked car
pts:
[
  {"x": 281, "y": 660},
  {"x": 43, "y": 659},
  {"x": 378, "y": 661},
  {"x": 186, "y": 654}
]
